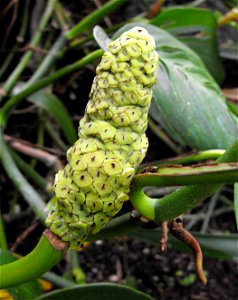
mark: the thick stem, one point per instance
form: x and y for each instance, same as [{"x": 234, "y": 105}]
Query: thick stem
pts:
[
  {"x": 180, "y": 201},
  {"x": 44, "y": 256}
]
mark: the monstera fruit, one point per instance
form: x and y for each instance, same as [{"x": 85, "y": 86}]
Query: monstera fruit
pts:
[{"x": 95, "y": 183}]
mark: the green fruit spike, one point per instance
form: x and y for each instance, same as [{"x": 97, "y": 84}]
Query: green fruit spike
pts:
[{"x": 112, "y": 142}]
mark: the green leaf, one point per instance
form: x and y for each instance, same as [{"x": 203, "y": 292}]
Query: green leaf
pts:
[
  {"x": 187, "y": 101},
  {"x": 95, "y": 17},
  {"x": 97, "y": 291},
  {"x": 192, "y": 175},
  {"x": 224, "y": 246},
  {"x": 197, "y": 29},
  {"x": 57, "y": 110},
  {"x": 25, "y": 291},
  {"x": 201, "y": 169}
]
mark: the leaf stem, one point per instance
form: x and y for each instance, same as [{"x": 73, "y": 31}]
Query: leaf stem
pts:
[
  {"x": 28, "y": 192},
  {"x": 57, "y": 280},
  {"x": 93, "y": 18},
  {"x": 210, "y": 211},
  {"x": 163, "y": 137},
  {"x": 19, "y": 39},
  {"x": 7, "y": 87},
  {"x": 30, "y": 172},
  {"x": 44, "y": 256},
  {"x": 178, "y": 202},
  {"x": 177, "y": 176},
  {"x": 48, "y": 61},
  {"x": 55, "y": 137},
  {"x": 70, "y": 34},
  {"x": 15, "y": 100},
  {"x": 188, "y": 158},
  {"x": 3, "y": 240}
]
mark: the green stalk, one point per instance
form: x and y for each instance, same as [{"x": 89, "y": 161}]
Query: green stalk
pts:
[
  {"x": 62, "y": 18},
  {"x": 7, "y": 87},
  {"x": 41, "y": 182},
  {"x": 3, "y": 240},
  {"x": 79, "y": 28},
  {"x": 236, "y": 202},
  {"x": 78, "y": 42},
  {"x": 55, "y": 137},
  {"x": 93, "y": 18},
  {"x": 177, "y": 176},
  {"x": 210, "y": 211},
  {"x": 15, "y": 100},
  {"x": 28, "y": 192},
  {"x": 180, "y": 201},
  {"x": 57, "y": 280},
  {"x": 48, "y": 252}
]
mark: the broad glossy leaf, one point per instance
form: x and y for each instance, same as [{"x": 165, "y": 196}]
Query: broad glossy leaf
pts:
[
  {"x": 187, "y": 101},
  {"x": 97, "y": 291},
  {"x": 26, "y": 291},
  {"x": 57, "y": 110},
  {"x": 197, "y": 29},
  {"x": 224, "y": 246}
]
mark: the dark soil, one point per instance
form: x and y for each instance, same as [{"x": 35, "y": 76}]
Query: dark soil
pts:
[{"x": 156, "y": 274}]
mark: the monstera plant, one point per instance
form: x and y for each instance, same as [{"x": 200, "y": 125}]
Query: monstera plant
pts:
[{"x": 103, "y": 165}]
